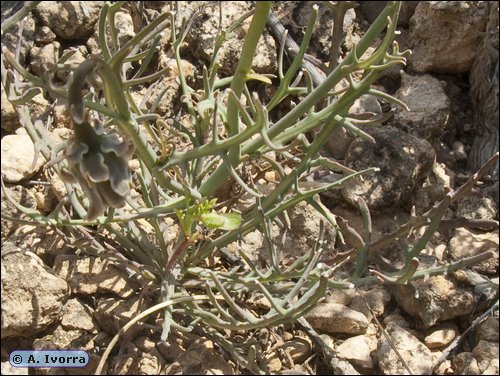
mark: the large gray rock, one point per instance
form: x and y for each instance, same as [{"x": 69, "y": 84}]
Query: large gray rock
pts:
[
  {"x": 403, "y": 159},
  {"x": 446, "y": 35},
  {"x": 429, "y": 106}
]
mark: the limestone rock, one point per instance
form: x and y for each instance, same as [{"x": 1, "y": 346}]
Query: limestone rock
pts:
[
  {"x": 357, "y": 351},
  {"x": 32, "y": 296},
  {"x": 202, "y": 36},
  {"x": 69, "y": 20},
  {"x": 416, "y": 355},
  {"x": 89, "y": 275},
  {"x": 441, "y": 336},
  {"x": 18, "y": 154},
  {"x": 77, "y": 316},
  {"x": 466, "y": 243},
  {"x": 446, "y": 35},
  {"x": 337, "y": 318}
]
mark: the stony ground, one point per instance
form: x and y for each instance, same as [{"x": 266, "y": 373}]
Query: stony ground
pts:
[{"x": 54, "y": 297}]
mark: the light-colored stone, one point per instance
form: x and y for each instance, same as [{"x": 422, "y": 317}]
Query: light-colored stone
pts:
[
  {"x": 18, "y": 154},
  {"x": 89, "y": 275},
  {"x": 44, "y": 35},
  {"x": 434, "y": 300},
  {"x": 446, "y": 36},
  {"x": 8, "y": 369},
  {"x": 61, "y": 339},
  {"x": 337, "y": 318},
  {"x": 32, "y": 296},
  {"x": 69, "y": 19},
  {"x": 371, "y": 302},
  {"x": 44, "y": 58},
  {"x": 416, "y": 355},
  {"x": 357, "y": 351},
  {"x": 77, "y": 316},
  {"x": 429, "y": 106},
  {"x": 201, "y": 359},
  {"x": 467, "y": 243},
  {"x": 441, "y": 336},
  {"x": 125, "y": 27}
]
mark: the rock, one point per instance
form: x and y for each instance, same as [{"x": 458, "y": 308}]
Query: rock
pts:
[
  {"x": 32, "y": 296},
  {"x": 403, "y": 160},
  {"x": 18, "y": 154},
  {"x": 434, "y": 188},
  {"x": 79, "y": 56},
  {"x": 371, "y": 301},
  {"x": 371, "y": 10},
  {"x": 44, "y": 35},
  {"x": 112, "y": 314},
  {"x": 484, "y": 90},
  {"x": 474, "y": 207},
  {"x": 357, "y": 351},
  {"x": 77, "y": 316},
  {"x": 488, "y": 330},
  {"x": 69, "y": 20},
  {"x": 202, "y": 36},
  {"x": 8, "y": 369},
  {"x": 201, "y": 359},
  {"x": 44, "y": 58},
  {"x": 304, "y": 231},
  {"x": 337, "y": 318},
  {"x": 437, "y": 299},
  {"x": 465, "y": 364},
  {"x": 299, "y": 348},
  {"x": 137, "y": 362},
  {"x": 429, "y": 106},
  {"x": 10, "y": 120},
  {"x": 339, "y": 140},
  {"x": 61, "y": 339},
  {"x": 11, "y": 38},
  {"x": 446, "y": 35},
  {"x": 38, "y": 106},
  {"x": 125, "y": 26},
  {"x": 20, "y": 195},
  {"x": 486, "y": 354},
  {"x": 168, "y": 86},
  {"x": 416, "y": 355},
  {"x": 89, "y": 275},
  {"x": 441, "y": 336},
  {"x": 467, "y": 243}
]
